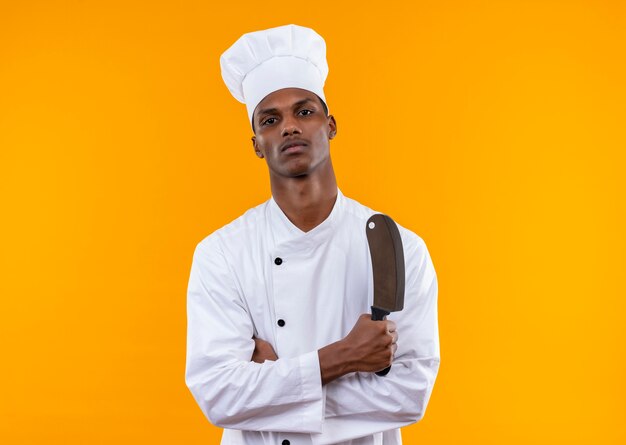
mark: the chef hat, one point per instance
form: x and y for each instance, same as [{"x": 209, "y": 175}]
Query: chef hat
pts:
[{"x": 262, "y": 62}]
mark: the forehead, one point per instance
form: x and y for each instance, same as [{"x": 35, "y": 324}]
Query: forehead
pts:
[{"x": 285, "y": 98}]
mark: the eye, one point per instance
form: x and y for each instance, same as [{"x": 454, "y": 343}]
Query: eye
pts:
[
  {"x": 305, "y": 112},
  {"x": 268, "y": 121}
]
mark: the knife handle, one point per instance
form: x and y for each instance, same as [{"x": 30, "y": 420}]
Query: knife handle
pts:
[{"x": 378, "y": 315}]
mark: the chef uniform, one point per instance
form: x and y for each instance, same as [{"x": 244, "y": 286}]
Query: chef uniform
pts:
[{"x": 262, "y": 276}]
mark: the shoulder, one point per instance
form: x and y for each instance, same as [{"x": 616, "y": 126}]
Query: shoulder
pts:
[
  {"x": 356, "y": 211},
  {"x": 413, "y": 245},
  {"x": 236, "y": 232}
]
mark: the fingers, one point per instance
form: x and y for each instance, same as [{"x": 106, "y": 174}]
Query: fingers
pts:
[
  {"x": 394, "y": 343},
  {"x": 394, "y": 337},
  {"x": 261, "y": 344},
  {"x": 372, "y": 343},
  {"x": 263, "y": 351}
]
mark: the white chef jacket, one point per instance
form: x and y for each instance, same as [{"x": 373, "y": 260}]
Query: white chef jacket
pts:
[{"x": 262, "y": 276}]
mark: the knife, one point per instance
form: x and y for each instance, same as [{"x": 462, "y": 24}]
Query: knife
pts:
[{"x": 385, "y": 245}]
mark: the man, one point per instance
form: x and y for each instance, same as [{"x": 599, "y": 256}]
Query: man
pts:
[{"x": 281, "y": 349}]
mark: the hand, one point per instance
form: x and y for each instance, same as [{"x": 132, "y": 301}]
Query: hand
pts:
[
  {"x": 369, "y": 347},
  {"x": 372, "y": 344},
  {"x": 262, "y": 351}
]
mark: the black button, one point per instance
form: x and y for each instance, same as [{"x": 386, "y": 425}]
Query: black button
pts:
[
  {"x": 285, "y": 442},
  {"x": 281, "y": 322},
  {"x": 278, "y": 261}
]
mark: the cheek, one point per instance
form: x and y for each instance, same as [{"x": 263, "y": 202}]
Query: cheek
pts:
[
  {"x": 321, "y": 138},
  {"x": 261, "y": 145},
  {"x": 265, "y": 143}
]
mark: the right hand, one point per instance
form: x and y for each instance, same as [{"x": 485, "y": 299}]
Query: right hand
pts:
[
  {"x": 262, "y": 351},
  {"x": 372, "y": 344}
]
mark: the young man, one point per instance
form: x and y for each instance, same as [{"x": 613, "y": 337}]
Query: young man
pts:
[{"x": 281, "y": 349}]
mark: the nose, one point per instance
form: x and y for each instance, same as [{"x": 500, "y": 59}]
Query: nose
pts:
[{"x": 290, "y": 127}]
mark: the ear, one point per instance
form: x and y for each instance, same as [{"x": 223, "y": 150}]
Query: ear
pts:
[
  {"x": 257, "y": 150},
  {"x": 332, "y": 127}
]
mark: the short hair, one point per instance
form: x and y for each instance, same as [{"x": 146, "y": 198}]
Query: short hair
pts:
[{"x": 324, "y": 107}]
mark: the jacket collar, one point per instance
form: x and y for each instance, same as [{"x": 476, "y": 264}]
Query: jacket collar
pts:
[{"x": 284, "y": 231}]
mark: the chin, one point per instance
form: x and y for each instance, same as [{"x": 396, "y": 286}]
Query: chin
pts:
[
  {"x": 298, "y": 173},
  {"x": 300, "y": 169}
]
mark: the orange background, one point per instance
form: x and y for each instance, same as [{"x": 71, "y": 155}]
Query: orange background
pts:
[{"x": 494, "y": 129}]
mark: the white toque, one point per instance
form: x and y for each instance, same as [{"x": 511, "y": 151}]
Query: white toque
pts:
[{"x": 262, "y": 62}]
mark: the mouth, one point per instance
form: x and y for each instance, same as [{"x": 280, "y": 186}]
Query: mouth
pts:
[{"x": 293, "y": 146}]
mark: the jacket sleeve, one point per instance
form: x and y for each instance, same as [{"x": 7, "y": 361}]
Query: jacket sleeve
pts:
[
  {"x": 400, "y": 398},
  {"x": 233, "y": 392}
]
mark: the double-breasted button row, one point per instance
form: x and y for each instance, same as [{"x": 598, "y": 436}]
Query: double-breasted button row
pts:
[{"x": 278, "y": 261}]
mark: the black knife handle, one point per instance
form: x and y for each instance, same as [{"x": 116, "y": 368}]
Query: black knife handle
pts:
[{"x": 377, "y": 315}]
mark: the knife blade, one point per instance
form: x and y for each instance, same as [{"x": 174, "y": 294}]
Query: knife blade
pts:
[{"x": 387, "y": 254}]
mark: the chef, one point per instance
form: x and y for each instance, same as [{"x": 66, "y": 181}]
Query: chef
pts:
[{"x": 281, "y": 348}]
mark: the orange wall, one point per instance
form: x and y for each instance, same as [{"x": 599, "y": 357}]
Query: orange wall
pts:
[{"x": 494, "y": 129}]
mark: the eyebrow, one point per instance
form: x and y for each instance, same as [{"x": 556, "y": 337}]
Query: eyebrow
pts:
[{"x": 265, "y": 111}]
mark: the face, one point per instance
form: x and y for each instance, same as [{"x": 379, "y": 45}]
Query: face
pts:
[{"x": 292, "y": 133}]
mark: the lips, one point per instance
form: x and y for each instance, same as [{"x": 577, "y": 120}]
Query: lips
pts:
[{"x": 293, "y": 145}]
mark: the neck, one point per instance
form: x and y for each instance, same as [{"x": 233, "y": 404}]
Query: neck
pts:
[{"x": 306, "y": 200}]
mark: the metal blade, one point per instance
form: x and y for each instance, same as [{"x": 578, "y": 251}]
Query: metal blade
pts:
[{"x": 385, "y": 243}]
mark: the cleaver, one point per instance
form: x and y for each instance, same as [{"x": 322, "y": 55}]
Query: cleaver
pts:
[{"x": 385, "y": 244}]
